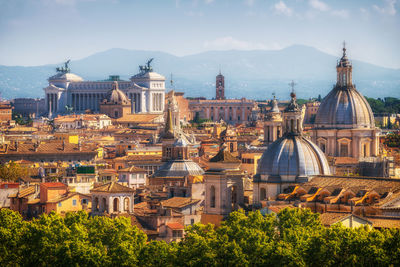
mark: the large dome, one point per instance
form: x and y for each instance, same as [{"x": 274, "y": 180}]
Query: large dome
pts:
[
  {"x": 294, "y": 156},
  {"x": 344, "y": 107}
]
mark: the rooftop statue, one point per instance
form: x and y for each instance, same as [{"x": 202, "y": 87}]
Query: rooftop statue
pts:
[
  {"x": 147, "y": 67},
  {"x": 64, "y": 69}
]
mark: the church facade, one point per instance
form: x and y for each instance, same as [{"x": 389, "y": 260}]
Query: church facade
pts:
[{"x": 69, "y": 92}]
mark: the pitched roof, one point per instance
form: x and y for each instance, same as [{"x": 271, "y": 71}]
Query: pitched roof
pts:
[
  {"x": 384, "y": 222},
  {"x": 329, "y": 218},
  {"x": 113, "y": 188},
  {"x": 175, "y": 226},
  {"x": 24, "y": 192},
  {"x": 178, "y": 202},
  {"x": 224, "y": 156},
  {"x": 53, "y": 185},
  {"x": 48, "y": 148}
]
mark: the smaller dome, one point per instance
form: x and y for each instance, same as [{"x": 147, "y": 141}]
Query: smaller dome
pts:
[
  {"x": 116, "y": 95},
  {"x": 179, "y": 168},
  {"x": 274, "y": 106},
  {"x": 150, "y": 75},
  {"x": 67, "y": 77}
]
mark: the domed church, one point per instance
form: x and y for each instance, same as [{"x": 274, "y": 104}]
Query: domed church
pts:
[
  {"x": 290, "y": 160},
  {"x": 116, "y": 105},
  {"x": 344, "y": 124}
]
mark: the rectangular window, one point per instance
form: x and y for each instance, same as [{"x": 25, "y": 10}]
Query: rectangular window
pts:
[
  {"x": 74, "y": 202},
  {"x": 59, "y": 204}
]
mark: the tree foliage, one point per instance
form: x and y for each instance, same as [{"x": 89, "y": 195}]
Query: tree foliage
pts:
[
  {"x": 294, "y": 237},
  {"x": 387, "y": 105},
  {"x": 12, "y": 171}
]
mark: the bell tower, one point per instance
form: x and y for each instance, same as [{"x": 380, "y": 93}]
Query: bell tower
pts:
[{"x": 220, "y": 87}]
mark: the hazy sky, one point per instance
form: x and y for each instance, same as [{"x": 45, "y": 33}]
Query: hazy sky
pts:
[{"x": 35, "y": 32}]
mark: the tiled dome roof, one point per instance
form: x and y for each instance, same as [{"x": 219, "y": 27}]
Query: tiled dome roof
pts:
[
  {"x": 292, "y": 155},
  {"x": 344, "y": 107}
]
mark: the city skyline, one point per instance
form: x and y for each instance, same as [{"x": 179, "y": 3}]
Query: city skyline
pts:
[{"x": 40, "y": 32}]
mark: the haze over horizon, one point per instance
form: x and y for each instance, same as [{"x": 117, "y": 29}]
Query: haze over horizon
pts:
[{"x": 48, "y": 32}]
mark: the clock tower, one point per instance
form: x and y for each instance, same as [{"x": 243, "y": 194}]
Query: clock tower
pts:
[{"x": 220, "y": 87}]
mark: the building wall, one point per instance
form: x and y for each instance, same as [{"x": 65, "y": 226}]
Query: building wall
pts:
[
  {"x": 29, "y": 106},
  {"x": 229, "y": 110},
  {"x": 5, "y": 112},
  {"x": 360, "y": 142},
  {"x": 47, "y": 194},
  {"x": 68, "y": 204}
]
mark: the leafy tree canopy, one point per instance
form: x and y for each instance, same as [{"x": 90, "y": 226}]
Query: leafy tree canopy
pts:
[{"x": 294, "y": 237}]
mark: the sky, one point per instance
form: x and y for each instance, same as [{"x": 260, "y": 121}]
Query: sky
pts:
[{"x": 38, "y": 32}]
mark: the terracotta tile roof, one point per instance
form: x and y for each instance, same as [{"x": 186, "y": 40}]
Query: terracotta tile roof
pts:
[
  {"x": 110, "y": 171},
  {"x": 113, "y": 188},
  {"x": 139, "y": 118},
  {"x": 178, "y": 202},
  {"x": 48, "y": 148},
  {"x": 53, "y": 185},
  {"x": 329, "y": 218},
  {"x": 175, "y": 226},
  {"x": 132, "y": 169},
  {"x": 24, "y": 192},
  {"x": 276, "y": 209},
  {"x": 384, "y": 222},
  {"x": 34, "y": 201}
]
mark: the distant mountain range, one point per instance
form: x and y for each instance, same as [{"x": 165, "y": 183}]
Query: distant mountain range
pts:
[{"x": 251, "y": 74}]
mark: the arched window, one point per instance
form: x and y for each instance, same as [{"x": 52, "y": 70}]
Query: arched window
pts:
[
  {"x": 126, "y": 204},
  {"x": 263, "y": 194},
  {"x": 212, "y": 196},
  {"x": 96, "y": 204},
  {"x": 116, "y": 205},
  {"x": 104, "y": 208}
]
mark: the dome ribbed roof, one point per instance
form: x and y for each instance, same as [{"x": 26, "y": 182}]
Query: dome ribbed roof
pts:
[
  {"x": 344, "y": 107},
  {"x": 293, "y": 155},
  {"x": 179, "y": 168}
]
